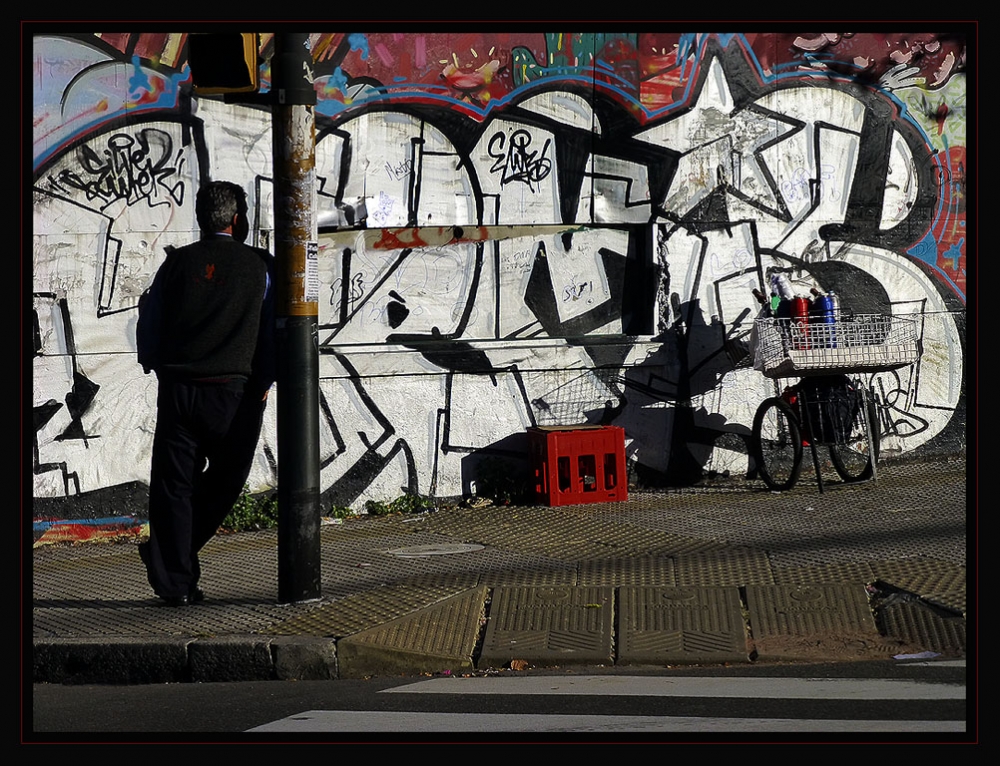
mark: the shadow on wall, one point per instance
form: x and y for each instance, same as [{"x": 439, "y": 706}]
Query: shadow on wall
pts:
[
  {"x": 501, "y": 472},
  {"x": 677, "y": 438}
]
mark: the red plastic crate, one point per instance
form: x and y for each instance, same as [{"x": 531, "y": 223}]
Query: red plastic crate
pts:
[{"x": 578, "y": 464}]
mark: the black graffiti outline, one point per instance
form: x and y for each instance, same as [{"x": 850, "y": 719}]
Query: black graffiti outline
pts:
[
  {"x": 498, "y": 165},
  {"x": 129, "y": 170},
  {"x": 351, "y": 292},
  {"x": 515, "y": 162},
  {"x": 344, "y": 490},
  {"x": 885, "y": 398}
]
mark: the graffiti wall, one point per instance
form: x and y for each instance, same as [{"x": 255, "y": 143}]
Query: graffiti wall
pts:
[{"x": 516, "y": 229}]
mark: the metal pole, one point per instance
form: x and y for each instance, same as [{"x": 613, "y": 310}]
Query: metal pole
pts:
[{"x": 297, "y": 309}]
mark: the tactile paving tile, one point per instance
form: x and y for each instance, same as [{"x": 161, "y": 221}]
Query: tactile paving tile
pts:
[
  {"x": 920, "y": 576},
  {"x": 364, "y": 527},
  {"x": 237, "y": 570},
  {"x": 680, "y": 625},
  {"x": 736, "y": 566},
  {"x": 953, "y": 601},
  {"x": 803, "y": 533},
  {"x": 366, "y": 611},
  {"x": 265, "y": 540},
  {"x": 779, "y": 613},
  {"x": 150, "y": 618},
  {"x": 571, "y": 545},
  {"x": 497, "y": 566},
  {"x": 560, "y": 534},
  {"x": 472, "y": 524},
  {"x": 852, "y": 572},
  {"x": 917, "y": 624},
  {"x": 351, "y": 567},
  {"x": 442, "y": 635},
  {"x": 630, "y": 540},
  {"x": 909, "y": 536},
  {"x": 108, "y": 595},
  {"x": 668, "y": 539},
  {"x": 348, "y": 569},
  {"x": 686, "y": 524},
  {"x": 549, "y": 626},
  {"x": 551, "y": 574},
  {"x": 658, "y": 543},
  {"x": 806, "y": 555},
  {"x": 117, "y": 576},
  {"x": 642, "y": 570}
]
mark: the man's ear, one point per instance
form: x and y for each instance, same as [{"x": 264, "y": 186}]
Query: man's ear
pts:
[{"x": 241, "y": 227}]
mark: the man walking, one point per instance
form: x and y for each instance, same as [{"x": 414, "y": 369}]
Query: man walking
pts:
[{"x": 206, "y": 329}]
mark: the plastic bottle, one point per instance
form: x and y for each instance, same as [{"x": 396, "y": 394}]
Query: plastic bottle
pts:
[
  {"x": 823, "y": 319},
  {"x": 800, "y": 322},
  {"x": 775, "y": 301},
  {"x": 784, "y": 309},
  {"x": 835, "y": 305},
  {"x": 783, "y": 286}
]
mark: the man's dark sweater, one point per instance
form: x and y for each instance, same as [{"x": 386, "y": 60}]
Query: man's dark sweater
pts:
[{"x": 209, "y": 299}]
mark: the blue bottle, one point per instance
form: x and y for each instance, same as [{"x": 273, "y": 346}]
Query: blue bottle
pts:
[{"x": 824, "y": 314}]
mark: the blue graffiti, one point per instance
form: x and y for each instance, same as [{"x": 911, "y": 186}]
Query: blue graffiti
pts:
[{"x": 359, "y": 42}]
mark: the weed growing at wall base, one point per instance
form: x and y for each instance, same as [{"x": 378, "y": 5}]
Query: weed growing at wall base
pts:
[
  {"x": 403, "y": 504},
  {"x": 340, "y": 512},
  {"x": 252, "y": 512}
]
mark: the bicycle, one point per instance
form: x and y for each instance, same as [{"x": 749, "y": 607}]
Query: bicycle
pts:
[{"x": 827, "y": 407}]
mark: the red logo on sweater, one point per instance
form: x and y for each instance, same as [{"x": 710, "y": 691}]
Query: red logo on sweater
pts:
[{"x": 209, "y": 270}]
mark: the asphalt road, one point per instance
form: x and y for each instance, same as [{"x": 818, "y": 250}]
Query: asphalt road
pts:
[{"x": 870, "y": 701}]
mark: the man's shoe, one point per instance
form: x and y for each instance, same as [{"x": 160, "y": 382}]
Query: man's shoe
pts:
[{"x": 194, "y": 596}]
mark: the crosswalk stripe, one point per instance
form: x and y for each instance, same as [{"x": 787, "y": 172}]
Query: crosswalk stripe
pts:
[
  {"x": 792, "y": 689},
  {"x": 364, "y": 721},
  {"x": 641, "y": 686}
]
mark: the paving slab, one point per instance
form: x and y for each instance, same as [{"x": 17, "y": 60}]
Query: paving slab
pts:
[
  {"x": 440, "y": 637},
  {"x": 921, "y": 575},
  {"x": 738, "y": 566},
  {"x": 785, "y": 620},
  {"x": 850, "y": 571},
  {"x": 666, "y": 626},
  {"x": 366, "y": 611},
  {"x": 581, "y": 584},
  {"x": 549, "y": 626},
  {"x": 924, "y": 627},
  {"x": 640, "y": 570}
]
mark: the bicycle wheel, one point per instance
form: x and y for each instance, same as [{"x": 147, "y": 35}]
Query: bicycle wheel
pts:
[
  {"x": 853, "y": 459},
  {"x": 776, "y": 443}
]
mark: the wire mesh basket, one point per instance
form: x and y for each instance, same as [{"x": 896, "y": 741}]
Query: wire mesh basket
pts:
[{"x": 853, "y": 343}]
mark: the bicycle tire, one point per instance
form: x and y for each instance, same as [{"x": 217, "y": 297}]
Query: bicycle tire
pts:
[
  {"x": 776, "y": 444},
  {"x": 854, "y": 458}
]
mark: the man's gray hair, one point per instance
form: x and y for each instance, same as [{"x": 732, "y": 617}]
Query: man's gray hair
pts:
[{"x": 217, "y": 203}]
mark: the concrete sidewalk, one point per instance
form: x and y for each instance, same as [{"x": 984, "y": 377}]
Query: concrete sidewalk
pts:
[{"x": 720, "y": 574}]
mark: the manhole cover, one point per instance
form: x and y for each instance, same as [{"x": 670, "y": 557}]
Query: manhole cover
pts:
[{"x": 416, "y": 551}]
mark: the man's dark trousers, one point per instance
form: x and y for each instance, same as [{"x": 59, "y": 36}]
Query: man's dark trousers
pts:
[{"x": 196, "y": 422}]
